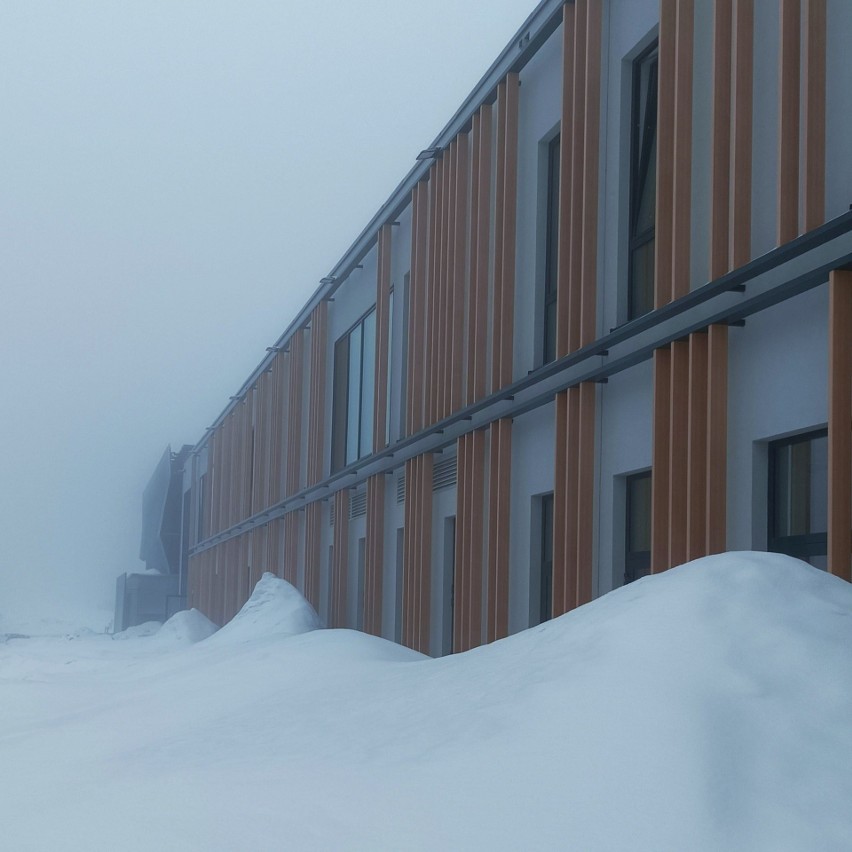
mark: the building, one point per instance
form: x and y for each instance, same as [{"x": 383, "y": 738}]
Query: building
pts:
[
  {"x": 602, "y": 327},
  {"x": 155, "y": 593}
]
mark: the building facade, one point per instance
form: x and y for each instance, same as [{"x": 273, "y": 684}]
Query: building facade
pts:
[{"x": 602, "y": 327}]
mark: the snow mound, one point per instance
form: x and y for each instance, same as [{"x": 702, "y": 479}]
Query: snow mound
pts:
[
  {"x": 187, "y": 628},
  {"x": 139, "y": 631},
  {"x": 275, "y": 608}
]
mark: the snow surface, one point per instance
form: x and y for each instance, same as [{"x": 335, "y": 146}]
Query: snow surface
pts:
[{"x": 707, "y": 708}]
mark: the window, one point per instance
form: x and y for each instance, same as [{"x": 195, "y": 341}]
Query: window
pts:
[
  {"x": 449, "y": 587},
  {"x": 541, "y": 585},
  {"x": 551, "y": 252},
  {"x": 798, "y": 497},
  {"x": 637, "y": 544},
  {"x": 643, "y": 184},
  {"x": 354, "y": 389}
]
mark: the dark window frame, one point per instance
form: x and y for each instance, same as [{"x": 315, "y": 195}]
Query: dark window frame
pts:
[
  {"x": 804, "y": 547},
  {"x": 637, "y": 563},
  {"x": 340, "y": 396},
  {"x": 642, "y": 135},
  {"x": 545, "y": 592}
]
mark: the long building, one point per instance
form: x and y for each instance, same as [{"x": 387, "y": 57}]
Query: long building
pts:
[{"x": 602, "y": 327}]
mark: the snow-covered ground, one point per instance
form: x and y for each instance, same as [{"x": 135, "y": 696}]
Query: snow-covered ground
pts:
[{"x": 708, "y": 708}]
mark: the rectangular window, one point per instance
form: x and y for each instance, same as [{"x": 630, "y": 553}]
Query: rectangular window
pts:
[
  {"x": 354, "y": 390},
  {"x": 551, "y": 251},
  {"x": 643, "y": 184},
  {"x": 798, "y": 497},
  {"x": 637, "y": 547}
]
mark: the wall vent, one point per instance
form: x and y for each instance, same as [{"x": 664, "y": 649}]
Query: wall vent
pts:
[
  {"x": 444, "y": 474},
  {"x": 358, "y": 504},
  {"x": 400, "y": 487}
]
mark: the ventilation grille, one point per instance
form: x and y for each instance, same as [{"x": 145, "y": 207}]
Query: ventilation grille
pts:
[
  {"x": 400, "y": 487},
  {"x": 333, "y": 513},
  {"x": 444, "y": 474},
  {"x": 358, "y": 505}
]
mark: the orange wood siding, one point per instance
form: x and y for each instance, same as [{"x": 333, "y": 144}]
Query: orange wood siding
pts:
[{"x": 840, "y": 425}]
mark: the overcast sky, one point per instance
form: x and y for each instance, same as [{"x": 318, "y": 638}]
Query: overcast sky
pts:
[{"x": 175, "y": 178}]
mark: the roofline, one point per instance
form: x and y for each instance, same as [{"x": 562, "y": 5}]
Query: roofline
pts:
[{"x": 534, "y": 32}]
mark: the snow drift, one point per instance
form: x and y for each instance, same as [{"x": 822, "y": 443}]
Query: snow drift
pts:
[
  {"x": 706, "y": 708},
  {"x": 186, "y": 628},
  {"x": 275, "y": 608}
]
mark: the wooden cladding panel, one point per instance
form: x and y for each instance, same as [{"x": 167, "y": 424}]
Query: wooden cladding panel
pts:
[
  {"x": 696, "y": 506},
  {"x": 259, "y": 561},
  {"x": 480, "y": 235},
  {"x": 313, "y": 552},
  {"x": 741, "y": 133},
  {"x": 417, "y": 553},
  {"x": 383, "y": 287},
  {"x": 660, "y": 462},
  {"x": 813, "y": 115},
  {"x": 294, "y": 414},
  {"x": 678, "y": 449},
  {"x": 374, "y": 568},
  {"x": 720, "y": 158},
  {"x": 717, "y": 438},
  {"x": 316, "y": 395},
  {"x": 340, "y": 559},
  {"x": 470, "y": 522},
  {"x": 292, "y": 529},
  {"x": 417, "y": 309},
  {"x": 573, "y": 495},
  {"x": 840, "y": 425},
  {"x": 458, "y": 273},
  {"x": 788, "y": 114},
  {"x": 499, "y": 517},
  {"x": 506, "y": 204}
]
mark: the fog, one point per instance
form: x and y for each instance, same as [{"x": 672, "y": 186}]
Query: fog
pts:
[{"x": 175, "y": 178}]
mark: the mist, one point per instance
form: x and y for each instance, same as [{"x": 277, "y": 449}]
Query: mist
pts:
[{"x": 175, "y": 178}]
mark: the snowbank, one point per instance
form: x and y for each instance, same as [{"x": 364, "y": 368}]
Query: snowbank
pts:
[
  {"x": 186, "y": 628},
  {"x": 275, "y": 608},
  {"x": 707, "y": 708}
]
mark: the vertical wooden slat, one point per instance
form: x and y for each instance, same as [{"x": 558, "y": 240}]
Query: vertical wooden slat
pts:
[
  {"x": 476, "y": 537},
  {"x": 560, "y": 511},
  {"x": 341, "y": 558},
  {"x": 383, "y": 285},
  {"x": 499, "y": 211},
  {"x": 678, "y": 448},
  {"x": 482, "y": 248},
  {"x": 813, "y": 115},
  {"x": 660, "y": 462},
  {"x": 509, "y": 229},
  {"x": 840, "y": 425},
  {"x": 788, "y": 112},
  {"x": 313, "y": 552},
  {"x": 587, "y": 398},
  {"x": 459, "y": 278},
  {"x": 717, "y": 438},
  {"x": 500, "y": 461},
  {"x": 374, "y": 555},
  {"x": 697, "y": 455},
  {"x": 316, "y": 411},
  {"x": 720, "y": 166},
  {"x": 741, "y": 158},
  {"x": 429, "y": 354}
]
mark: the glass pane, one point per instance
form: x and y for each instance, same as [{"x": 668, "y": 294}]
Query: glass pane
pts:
[
  {"x": 353, "y": 401},
  {"x": 368, "y": 384},
  {"x": 819, "y": 485},
  {"x": 639, "y": 513},
  {"x": 801, "y": 487},
  {"x": 642, "y": 280},
  {"x": 549, "y": 331},
  {"x": 647, "y": 201}
]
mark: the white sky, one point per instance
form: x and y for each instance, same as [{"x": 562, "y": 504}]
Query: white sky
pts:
[{"x": 175, "y": 178}]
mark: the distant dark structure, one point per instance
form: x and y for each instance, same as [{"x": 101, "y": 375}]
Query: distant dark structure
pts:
[{"x": 158, "y": 592}]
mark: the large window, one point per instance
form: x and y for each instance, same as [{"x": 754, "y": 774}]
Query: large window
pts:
[
  {"x": 551, "y": 251},
  {"x": 643, "y": 184},
  {"x": 637, "y": 544},
  {"x": 354, "y": 389},
  {"x": 798, "y": 497},
  {"x": 545, "y": 592}
]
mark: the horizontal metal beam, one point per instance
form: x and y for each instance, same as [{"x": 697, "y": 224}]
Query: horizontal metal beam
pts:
[{"x": 781, "y": 274}]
